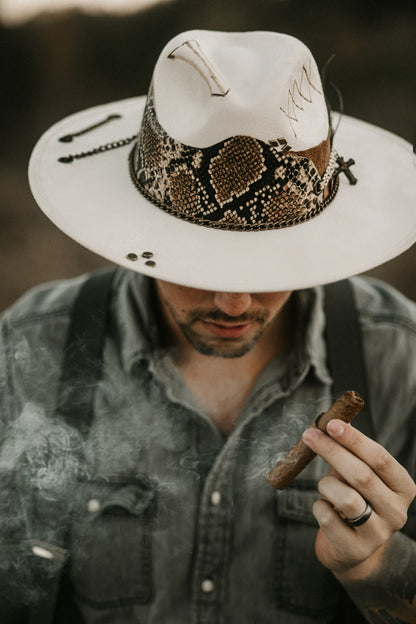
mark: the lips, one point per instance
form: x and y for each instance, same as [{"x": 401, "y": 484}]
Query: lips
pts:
[{"x": 227, "y": 331}]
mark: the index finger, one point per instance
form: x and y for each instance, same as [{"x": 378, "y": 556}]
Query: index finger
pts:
[{"x": 385, "y": 466}]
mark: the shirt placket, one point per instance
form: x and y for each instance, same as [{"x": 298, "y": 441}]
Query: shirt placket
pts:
[{"x": 214, "y": 540}]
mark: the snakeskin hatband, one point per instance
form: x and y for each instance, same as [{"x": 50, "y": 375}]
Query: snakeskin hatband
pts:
[{"x": 240, "y": 183}]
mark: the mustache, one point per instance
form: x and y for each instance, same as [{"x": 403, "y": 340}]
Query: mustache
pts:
[{"x": 218, "y": 317}]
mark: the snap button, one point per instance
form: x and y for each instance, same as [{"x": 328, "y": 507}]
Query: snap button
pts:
[
  {"x": 49, "y": 551},
  {"x": 207, "y": 586},
  {"x": 93, "y": 505},
  {"x": 42, "y": 552},
  {"x": 215, "y": 498}
]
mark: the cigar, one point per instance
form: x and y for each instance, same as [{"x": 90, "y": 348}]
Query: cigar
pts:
[{"x": 345, "y": 408}]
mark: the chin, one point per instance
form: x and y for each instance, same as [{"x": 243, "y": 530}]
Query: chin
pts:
[{"x": 223, "y": 350}]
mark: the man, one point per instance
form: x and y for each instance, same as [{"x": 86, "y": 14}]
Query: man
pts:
[{"x": 137, "y": 439}]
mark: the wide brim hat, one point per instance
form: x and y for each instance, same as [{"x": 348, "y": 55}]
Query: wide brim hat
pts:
[{"x": 228, "y": 176}]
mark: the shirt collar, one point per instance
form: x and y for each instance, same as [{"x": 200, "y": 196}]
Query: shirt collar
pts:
[
  {"x": 136, "y": 313},
  {"x": 312, "y": 317}
]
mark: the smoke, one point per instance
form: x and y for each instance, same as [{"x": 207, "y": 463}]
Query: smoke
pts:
[
  {"x": 39, "y": 471},
  {"x": 275, "y": 434},
  {"x": 45, "y": 450},
  {"x": 142, "y": 427}
]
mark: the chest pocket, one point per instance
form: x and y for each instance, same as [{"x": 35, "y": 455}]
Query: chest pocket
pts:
[
  {"x": 111, "y": 542},
  {"x": 303, "y": 585}
]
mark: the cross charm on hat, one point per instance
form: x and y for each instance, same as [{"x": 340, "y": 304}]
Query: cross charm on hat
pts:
[{"x": 344, "y": 167}]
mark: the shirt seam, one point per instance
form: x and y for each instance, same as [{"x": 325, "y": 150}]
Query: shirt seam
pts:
[
  {"x": 41, "y": 316},
  {"x": 387, "y": 319}
]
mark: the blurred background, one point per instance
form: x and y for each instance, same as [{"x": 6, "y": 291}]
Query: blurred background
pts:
[{"x": 59, "y": 56}]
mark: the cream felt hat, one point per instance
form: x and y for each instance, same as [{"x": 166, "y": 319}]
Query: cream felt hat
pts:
[{"x": 228, "y": 177}]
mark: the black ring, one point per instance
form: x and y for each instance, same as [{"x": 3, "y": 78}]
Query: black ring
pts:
[{"x": 359, "y": 520}]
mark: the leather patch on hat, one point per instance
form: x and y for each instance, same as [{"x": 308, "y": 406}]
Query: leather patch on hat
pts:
[{"x": 319, "y": 155}]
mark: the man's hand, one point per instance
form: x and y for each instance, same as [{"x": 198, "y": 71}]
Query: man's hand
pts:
[{"x": 361, "y": 471}]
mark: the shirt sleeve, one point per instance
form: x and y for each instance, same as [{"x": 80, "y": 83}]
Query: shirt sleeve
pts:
[
  {"x": 31, "y": 508},
  {"x": 388, "y": 322}
]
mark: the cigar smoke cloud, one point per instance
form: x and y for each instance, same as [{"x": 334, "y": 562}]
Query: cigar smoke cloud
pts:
[
  {"x": 46, "y": 465},
  {"x": 39, "y": 465},
  {"x": 276, "y": 433},
  {"x": 45, "y": 462}
]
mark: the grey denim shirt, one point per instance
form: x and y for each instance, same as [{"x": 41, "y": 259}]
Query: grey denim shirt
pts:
[{"x": 158, "y": 516}]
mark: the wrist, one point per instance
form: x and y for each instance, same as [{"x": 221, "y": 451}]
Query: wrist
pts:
[{"x": 363, "y": 570}]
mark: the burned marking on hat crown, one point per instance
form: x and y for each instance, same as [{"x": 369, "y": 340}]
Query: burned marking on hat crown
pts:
[
  {"x": 191, "y": 52},
  {"x": 299, "y": 93}
]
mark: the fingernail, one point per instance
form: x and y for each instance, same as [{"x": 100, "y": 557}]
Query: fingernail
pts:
[
  {"x": 336, "y": 427},
  {"x": 311, "y": 434}
]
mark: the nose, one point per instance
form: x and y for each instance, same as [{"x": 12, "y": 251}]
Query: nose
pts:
[{"x": 233, "y": 304}]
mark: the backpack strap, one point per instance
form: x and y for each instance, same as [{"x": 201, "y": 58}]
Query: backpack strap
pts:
[
  {"x": 345, "y": 354},
  {"x": 82, "y": 369}
]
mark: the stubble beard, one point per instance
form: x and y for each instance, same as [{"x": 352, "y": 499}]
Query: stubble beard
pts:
[{"x": 217, "y": 346}]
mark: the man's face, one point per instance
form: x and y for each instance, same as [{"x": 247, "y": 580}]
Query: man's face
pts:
[{"x": 227, "y": 325}]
